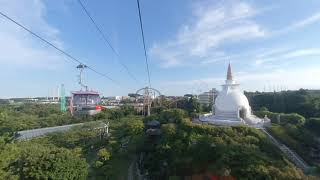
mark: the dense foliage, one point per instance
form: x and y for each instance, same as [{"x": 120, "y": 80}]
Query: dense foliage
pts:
[
  {"x": 81, "y": 153},
  {"x": 31, "y": 116},
  {"x": 296, "y": 115},
  {"x": 183, "y": 149},
  {"x": 298, "y": 133},
  {"x": 281, "y": 118},
  {"x": 314, "y": 125},
  {"x": 299, "y": 139},
  {"x": 34, "y": 161},
  {"x": 304, "y": 102},
  {"x": 190, "y": 105},
  {"x": 174, "y": 115},
  {"x": 187, "y": 149}
]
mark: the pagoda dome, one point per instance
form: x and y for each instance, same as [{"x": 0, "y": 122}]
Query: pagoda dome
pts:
[{"x": 231, "y": 101}]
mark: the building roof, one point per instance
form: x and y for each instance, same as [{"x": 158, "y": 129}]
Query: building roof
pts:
[
  {"x": 153, "y": 132},
  {"x": 153, "y": 123},
  {"x": 85, "y": 93}
]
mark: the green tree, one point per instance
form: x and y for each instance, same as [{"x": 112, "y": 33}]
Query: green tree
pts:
[
  {"x": 104, "y": 155},
  {"x": 186, "y": 149},
  {"x": 127, "y": 110},
  {"x": 40, "y": 162},
  {"x": 263, "y": 109},
  {"x": 304, "y": 102},
  {"x": 314, "y": 125},
  {"x": 172, "y": 115}
]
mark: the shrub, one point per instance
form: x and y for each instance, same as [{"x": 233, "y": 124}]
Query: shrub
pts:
[
  {"x": 104, "y": 155},
  {"x": 134, "y": 126},
  {"x": 169, "y": 130},
  {"x": 172, "y": 115},
  {"x": 314, "y": 125},
  {"x": 157, "y": 110},
  {"x": 98, "y": 164},
  {"x": 48, "y": 162},
  {"x": 272, "y": 116},
  {"x": 280, "y": 133},
  {"x": 263, "y": 109},
  {"x": 292, "y": 118},
  {"x": 150, "y": 118}
]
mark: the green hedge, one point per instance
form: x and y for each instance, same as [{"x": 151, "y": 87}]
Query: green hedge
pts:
[
  {"x": 272, "y": 116},
  {"x": 292, "y": 118},
  {"x": 314, "y": 125}
]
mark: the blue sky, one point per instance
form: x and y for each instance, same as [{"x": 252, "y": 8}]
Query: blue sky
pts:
[{"x": 270, "y": 44}]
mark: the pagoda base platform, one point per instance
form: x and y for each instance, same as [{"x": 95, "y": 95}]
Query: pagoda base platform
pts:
[{"x": 232, "y": 121}]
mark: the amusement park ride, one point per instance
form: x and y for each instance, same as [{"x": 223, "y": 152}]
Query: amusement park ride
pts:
[
  {"x": 84, "y": 102},
  {"x": 149, "y": 94}
]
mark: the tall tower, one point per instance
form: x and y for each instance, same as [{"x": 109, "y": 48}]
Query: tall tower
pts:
[{"x": 63, "y": 107}]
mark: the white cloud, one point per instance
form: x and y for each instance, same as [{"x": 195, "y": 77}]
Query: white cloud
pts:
[
  {"x": 274, "y": 51},
  {"x": 307, "y": 21},
  {"x": 298, "y": 24},
  {"x": 285, "y": 54},
  {"x": 294, "y": 79},
  {"x": 214, "y": 26},
  {"x": 211, "y": 28},
  {"x": 18, "y": 47},
  {"x": 303, "y": 53}
]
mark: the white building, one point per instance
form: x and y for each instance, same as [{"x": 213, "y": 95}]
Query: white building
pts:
[
  {"x": 208, "y": 98},
  {"x": 231, "y": 106}
]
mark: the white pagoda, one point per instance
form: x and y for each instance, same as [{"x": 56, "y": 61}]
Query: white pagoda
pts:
[{"x": 231, "y": 106}]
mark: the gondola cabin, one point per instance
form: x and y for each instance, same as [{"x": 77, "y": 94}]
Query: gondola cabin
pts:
[{"x": 85, "y": 102}]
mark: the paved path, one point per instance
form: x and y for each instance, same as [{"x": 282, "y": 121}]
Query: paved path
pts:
[
  {"x": 131, "y": 169},
  {"x": 295, "y": 158},
  {"x": 32, "y": 133}
]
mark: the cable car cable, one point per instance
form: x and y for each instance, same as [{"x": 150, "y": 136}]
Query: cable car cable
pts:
[
  {"x": 144, "y": 44},
  {"x": 58, "y": 49},
  {"x": 105, "y": 39}
]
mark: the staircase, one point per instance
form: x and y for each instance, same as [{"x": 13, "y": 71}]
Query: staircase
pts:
[
  {"x": 231, "y": 115},
  {"x": 295, "y": 158}
]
